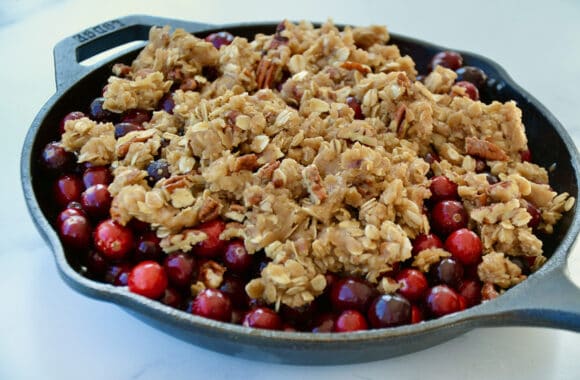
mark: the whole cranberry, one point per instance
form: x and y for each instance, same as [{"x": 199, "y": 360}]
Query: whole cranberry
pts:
[
  {"x": 212, "y": 304},
  {"x": 299, "y": 316},
  {"x": 350, "y": 320},
  {"x": 55, "y": 158},
  {"x": 389, "y": 310},
  {"x": 535, "y": 214},
  {"x": 96, "y": 201},
  {"x": 234, "y": 287},
  {"x": 416, "y": 314},
  {"x": 352, "y": 294},
  {"x": 526, "y": 155},
  {"x": 426, "y": 241},
  {"x": 442, "y": 188},
  {"x": 263, "y": 318},
  {"x": 448, "y": 216},
  {"x": 98, "y": 113},
  {"x": 236, "y": 258},
  {"x": 147, "y": 247},
  {"x": 323, "y": 323},
  {"x": 180, "y": 268},
  {"x": 97, "y": 175},
  {"x": 449, "y": 59},
  {"x": 113, "y": 240},
  {"x": 148, "y": 279},
  {"x": 449, "y": 272},
  {"x": 172, "y": 297},
  {"x": 472, "y": 74},
  {"x": 75, "y": 232},
  {"x": 354, "y": 104},
  {"x": 67, "y": 213},
  {"x": 75, "y": 115},
  {"x": 470, "y": 90},
  {"x": 220, "y": 39},
  {"x": 212, "y": 246},
  {"x": 471, "y": 292},
  {"x": 442, "y": 300},
  {"x": 413, "y": 284},
  {"x": 67, "y": 188},
  {"x": 465, "y": 246},
  {"x": 136, "y": 116},
  {"x": 121, "y": 129}
]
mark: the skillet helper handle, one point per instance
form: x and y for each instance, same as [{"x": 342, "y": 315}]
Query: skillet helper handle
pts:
[
  {"x": 550, "y": 301},
  {"x": 69, "y": 52}
]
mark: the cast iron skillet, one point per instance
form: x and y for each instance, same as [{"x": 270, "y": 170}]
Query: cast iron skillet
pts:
[{"x": 547, "y": 298}]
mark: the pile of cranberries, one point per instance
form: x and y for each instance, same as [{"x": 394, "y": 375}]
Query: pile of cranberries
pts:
[{"x": 131, "y": 255}]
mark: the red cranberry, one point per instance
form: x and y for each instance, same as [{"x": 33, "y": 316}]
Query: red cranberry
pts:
[
  {"x": 442, "y": 188},
  {"x": 355, "y": 106},
  {"x": 449, "y": 59},
  {"x": 465, "y": 246},
  {"x": 67, "y": 213},
  {"x": 147, "y": 247},
  {"x": 350, "y": 320},
  {"x": 234, "y": 288},
  {"x": 448, "y": 216},
  {"x": 75, "y": 232},
  {"x": 212, "y": 246},
  {"x": 324, "y": 323},
  {"x": 180, "y": 268},
  {"x": 427, "y": 241},
  {"x": 212, "y": 304},
  {"x": 138, "y": 226},
  {"x": 535, "y": 214},
  {"x": 136, "y": 116},
  {"x": 236, "y": 258},
  {"x": 171, "y": 297},
  {"x": 263, "y": 318},
  {"x": 352, "y": 294},
  {"x": 96, "y": 201},
  {"x": 299, "y": 316},
  {"x": 472, "y": 74},
  {"x": 67, "y": 188},
  {"x": 416, "y": 314},
  {"x": 118, "y": 274},
  {"x": 54, "y": 157},
  {"x": 75, "y": 115},
  {"x": 97, "y": 112},
  {"x": 148, "y": 279},
  {"x": 157, "y": 170},
  {"x": 220, "y": 39},
  {"x": 97, "y": 175},
  {"x": 471, "y": 292},
  {"x": 413, "y": 284},
  {"x": 113, "y": 240},
  {"x": 442, "y": 300},
  {"x": 389, "y": 310},
  {"x": 470, "y": 90},
  {"x": 526, "y": 155},
  {"x": 121, "y": 129},
  {"x": 449, "y": 272},
  {"x": 462, "y": 302}
]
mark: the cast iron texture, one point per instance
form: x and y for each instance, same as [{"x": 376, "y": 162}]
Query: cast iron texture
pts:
[{"x": 547, "y": 298}]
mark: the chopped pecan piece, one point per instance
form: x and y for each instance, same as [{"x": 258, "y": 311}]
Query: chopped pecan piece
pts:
[
  {"x": 266, "y": 73},
  {"x": 246, "y": 162},
  {"x": 349, "y": 65},
  {"x": 484, "y": 149},
  {"x": 313, "y": 183}
]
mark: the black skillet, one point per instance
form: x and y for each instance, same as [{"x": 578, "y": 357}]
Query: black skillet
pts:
[{"x": 547, "y": 298}]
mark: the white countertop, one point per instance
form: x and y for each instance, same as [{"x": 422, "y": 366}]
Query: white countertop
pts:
[{"x": 49, "y": 331}]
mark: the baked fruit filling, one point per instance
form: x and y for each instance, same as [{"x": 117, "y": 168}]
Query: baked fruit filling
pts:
[{"x": 307, "y": 180}]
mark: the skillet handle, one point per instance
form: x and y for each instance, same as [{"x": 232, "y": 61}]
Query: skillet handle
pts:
[
  {"x": 69, "y": 52},
  {"x": 552, "y": 300}
]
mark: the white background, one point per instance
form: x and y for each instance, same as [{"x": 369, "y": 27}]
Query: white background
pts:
[{"x": 48, "y": 331}]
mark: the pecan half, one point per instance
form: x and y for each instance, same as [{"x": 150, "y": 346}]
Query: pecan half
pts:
[
  {"x": 177, "y": 182},
  {"x": 484, "y": 149}
]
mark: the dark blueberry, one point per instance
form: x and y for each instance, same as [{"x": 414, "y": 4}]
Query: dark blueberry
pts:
[
  {"x": 121, "y": 129},
  {"x": 157, "y": 170},
  {"x": 54, "y": 157},
  {"x": 472, "y": 74},
  {"x": 449, "y": 271},
  {"x": 389, "y": 310},
  {"x": 97, "y": 112}
]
